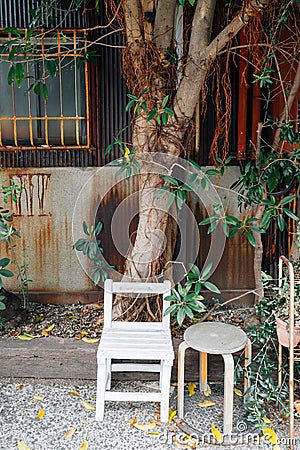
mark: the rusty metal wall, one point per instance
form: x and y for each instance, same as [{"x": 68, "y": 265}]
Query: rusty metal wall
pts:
[{"x": 16, "y": 13}]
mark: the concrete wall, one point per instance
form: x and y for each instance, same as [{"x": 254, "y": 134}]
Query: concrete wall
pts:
[{"x": 49, "y": 215}]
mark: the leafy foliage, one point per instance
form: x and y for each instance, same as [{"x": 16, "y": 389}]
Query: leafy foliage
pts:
[
  {"x": 90, "y": 246},
  {"x": 186, "y": 300}
]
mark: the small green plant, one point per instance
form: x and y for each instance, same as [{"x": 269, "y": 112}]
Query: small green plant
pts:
[
  {"x": 8, "y": 235},
  {"x": 91, "y": 246},
  {"x": 186, "y": 300}
]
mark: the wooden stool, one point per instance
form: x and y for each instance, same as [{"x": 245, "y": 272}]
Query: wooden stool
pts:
[{"x": 219, "y": 339}]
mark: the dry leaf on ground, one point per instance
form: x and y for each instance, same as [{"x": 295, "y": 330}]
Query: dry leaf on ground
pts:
[
  {"x": 75, "y": 393},
  {"x": 238, "y": 392},
  {"x": 270, "y": 435},
  {"x": 19, "y": 387},
  {"x": 191, "y": 389},
  {"x": 207, "y": 391},
  {"x": 22, "y": 446},
  {"x": 90, "y": 340},
  {"x": 70, "y": 432},
  {"x": 88, "y": 406},
  {"x": 50, "y": 328},
  {"x": 41, "y": 414},
  {"x": 39, "y": 397},
  {"x": 145, "y": 426},
  {"x": 26, "y": 337},
  {"x": 84, "y": 445},
  {"x": 172, "y": 414},
  {"x": 206, "y": 404},
  {"x": 216, "y": 433}
]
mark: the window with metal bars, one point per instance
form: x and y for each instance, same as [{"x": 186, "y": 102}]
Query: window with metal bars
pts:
[{"x": 50, "y": 108}]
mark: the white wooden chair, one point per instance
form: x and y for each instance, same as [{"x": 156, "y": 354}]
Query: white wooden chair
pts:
[{"x": 137, "y": 341}]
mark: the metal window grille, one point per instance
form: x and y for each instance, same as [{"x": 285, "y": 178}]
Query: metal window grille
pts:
[{"x": 28, "y": 120}]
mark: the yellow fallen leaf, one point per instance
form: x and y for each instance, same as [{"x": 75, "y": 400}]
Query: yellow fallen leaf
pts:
[
  {"x": 50, "y": 328},
  {"x": 84, "y": 445},
  {"x": 238, "y": 392},
  {"x": 45, "y": 333},
  {"x": 191, "y": 389},
  {"x": 26, "y": 337},
  {"x": 172, "y": 414},
  {"x": 22, "y": 446},
  {"x": 266, "y": 419},
  {"x": 154, "y": 432},
  {"x": 133, "y": 422},
  {"x": 41, "y": 414},
  {"x": 75, "y": 393},
  {"x": 39, "y": 397},
  {"x": 145, "y": 426},
  {"x": 19, "y": 387},
  {"x": 87, "y": 405},
  {"x": 70, "y": 432},
  {"x": 270, "y": 435},
  {"x": 206, "y": 404},
  {"x": 90, "y": 340},
  {"x": 216, "y": 433},
  {"x": 207, "y": 391}
]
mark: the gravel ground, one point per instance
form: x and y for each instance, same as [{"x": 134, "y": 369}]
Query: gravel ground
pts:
[{"x": 22, "y": 400}]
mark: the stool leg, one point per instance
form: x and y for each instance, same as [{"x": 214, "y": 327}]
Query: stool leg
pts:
[
  {"x": 108, "y": 374},
  {"x": 101, "y": 382},
  {"x": 279, "y": 365},
  {"x": 248, "y": 356},
  {"x": 181, "y": 354},
  {"x": 228, "y": 393},
  {"x": 203, "y": 372}
]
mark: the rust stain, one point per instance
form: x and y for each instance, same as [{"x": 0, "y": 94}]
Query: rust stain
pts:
[{"x": 32, "y": 199}]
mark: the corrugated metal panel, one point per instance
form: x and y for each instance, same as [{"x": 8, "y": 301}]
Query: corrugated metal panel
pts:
[{"x": 16, "y": 13}]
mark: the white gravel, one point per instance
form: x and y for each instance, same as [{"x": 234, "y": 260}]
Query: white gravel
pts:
[{"x": 19, "y": 420}]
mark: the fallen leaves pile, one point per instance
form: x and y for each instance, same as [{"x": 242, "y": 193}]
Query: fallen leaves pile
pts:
[{"x": 72, "y": 321}]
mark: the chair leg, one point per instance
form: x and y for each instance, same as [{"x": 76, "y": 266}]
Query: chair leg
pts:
[
  {"x": 165, "y": 390},
  {"x": 108, "y": 374},
  {"x": 228, "y": 393},
  {"x": 101, "y": 382},
  {"x": 180, "y": 400}
]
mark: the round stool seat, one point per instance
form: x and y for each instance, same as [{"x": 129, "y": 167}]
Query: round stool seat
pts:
[{"x": 215, "y": 338}]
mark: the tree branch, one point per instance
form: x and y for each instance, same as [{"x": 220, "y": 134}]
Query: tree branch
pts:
[
  {"x": 164, "y": 24},
  {"x": 133, "y": 22},
  {"x": 288, "y": 105},
  {"x": 201, "y": 57}
]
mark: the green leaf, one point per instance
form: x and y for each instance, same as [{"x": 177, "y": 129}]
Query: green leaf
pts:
[
  {"x": 171, "y": 309},
  {"x": 170, "y": 200},
  {"x": 251, "y": 239},
  {"x": 266, "y": 219},
  {"x": 80, "y": 244},
  {"x": 2, "y": 306},
  {"x": 4, "y": 262},
  {"x": 45, "y": 91},
  {"x": 206, "y": 271},
  {"x": 287, "y": 199},
  {"x": 151, "y": 114},
  {"x": 212, "y": 287},
  {"x": 291, "y": 214},
  {"x": 180, "y": 316},
  {"x": 6, "y": 273},
  {"x": 281, "y": 222},
  {"x": 11, "y": 75},
  {"x": 51, "y": 67},
  {"x": 85, "y": 228},
  {"x": 207, "y": 221},
  {"x": 19, "y": 74},
  {"x": 165, "y": 101},
  {"x": 98, "y": 228}
]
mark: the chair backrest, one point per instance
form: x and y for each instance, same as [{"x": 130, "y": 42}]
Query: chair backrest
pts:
[{"x": 111, "y": 287}]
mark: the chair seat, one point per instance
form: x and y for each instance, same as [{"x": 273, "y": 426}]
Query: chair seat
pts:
[{"x": 136, "y": 344}]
